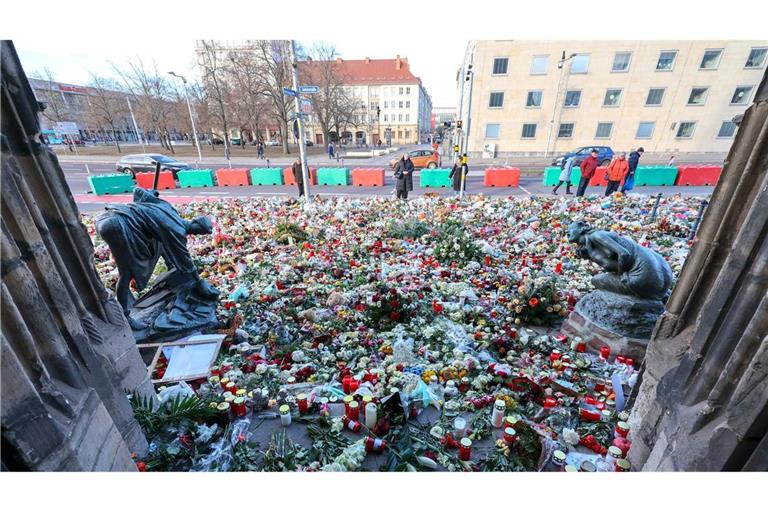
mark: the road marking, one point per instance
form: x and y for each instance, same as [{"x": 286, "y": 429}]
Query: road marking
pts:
[{"x": 525, "y": 190}]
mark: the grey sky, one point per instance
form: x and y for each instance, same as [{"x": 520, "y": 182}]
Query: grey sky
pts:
[{"x": 73, "y": 62}]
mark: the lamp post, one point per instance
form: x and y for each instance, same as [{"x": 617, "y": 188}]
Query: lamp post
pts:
[
  {"x": 560, "y": 66},
  {"x": 191, "y": 116}
]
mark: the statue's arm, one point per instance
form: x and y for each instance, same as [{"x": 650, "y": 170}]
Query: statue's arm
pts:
[{"x": 624, "y": 256}]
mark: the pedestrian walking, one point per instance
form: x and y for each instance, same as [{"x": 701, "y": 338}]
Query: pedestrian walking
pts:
[
  {"x": 330, "y": 150},
  {"x": 460, "y": 170},
  {"x": 404, "y": 177},
  {"x": 617, "y": 171},
  {"x": 671, "y": 160},
  {"x": 588, "y": 167},
  {"x": 260, "y": 149},
  {"x": 298, "y": 176},
  {"x": 565, "y": 176},
  {"x": 632, "y": 161}
]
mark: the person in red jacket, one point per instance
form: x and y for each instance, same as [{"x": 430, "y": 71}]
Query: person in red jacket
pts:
[
  {"x": 617, "y": 170},
  {"x": 588, "y": 166}
]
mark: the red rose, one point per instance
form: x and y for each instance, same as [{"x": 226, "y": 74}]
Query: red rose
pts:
[
  {"x": 533, "y": 302},
  {"x": 394, "y": 316},
  {"x": 141, "y": 466}
]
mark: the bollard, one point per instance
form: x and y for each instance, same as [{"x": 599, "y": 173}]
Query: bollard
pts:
[
  {"x": 655, "y": 207},
  {"x": 695, "y": 226}
]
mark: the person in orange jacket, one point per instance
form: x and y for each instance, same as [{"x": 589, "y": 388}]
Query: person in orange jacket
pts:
[{"x": 617, "y": 170}]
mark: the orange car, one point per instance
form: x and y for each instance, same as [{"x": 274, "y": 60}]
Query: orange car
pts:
[{"x": 421, "y": 158}]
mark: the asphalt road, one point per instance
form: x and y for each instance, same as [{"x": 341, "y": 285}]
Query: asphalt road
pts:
[{"x": 77, "y": 178}]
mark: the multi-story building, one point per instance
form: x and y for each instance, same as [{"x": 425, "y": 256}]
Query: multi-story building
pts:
[
  {"x": 393, "y": 104},
  {"x": 539, "y": 97},
  {"x": 441, "y": 115}
]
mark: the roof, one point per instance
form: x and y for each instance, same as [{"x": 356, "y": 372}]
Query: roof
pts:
[{"x": 369, "y": 71}]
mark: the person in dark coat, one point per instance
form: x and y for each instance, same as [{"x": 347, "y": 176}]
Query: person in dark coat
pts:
[
  {"x": 298, "y": 176},
  {"x": 404, "y": 177},
  {"x": 633, "y": 160},
  {"x": 460, "y": 168}
]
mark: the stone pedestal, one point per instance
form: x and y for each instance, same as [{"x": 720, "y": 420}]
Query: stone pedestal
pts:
[{"x": 597, "y": 337}]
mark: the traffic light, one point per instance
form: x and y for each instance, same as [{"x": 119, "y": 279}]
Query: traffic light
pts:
[
  {"x": 458, "y": 123},
  {"x": 378, "y": 112}
]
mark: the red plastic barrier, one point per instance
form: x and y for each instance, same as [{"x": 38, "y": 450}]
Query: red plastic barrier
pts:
[
  {"x": 235, "y": 177},
  {"x": 502, "y": 177},
  {"x": 288, "y": 176},
  {"x": 598, "y": 179},
  {"x": 698, "y": 175},
  {"x": 147, "y": 179},
  {"x": 368, "y": 177}
]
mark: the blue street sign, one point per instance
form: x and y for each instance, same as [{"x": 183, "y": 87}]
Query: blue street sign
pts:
[
  {"x": 309, "y": 89},
  {"x": 290, "y": 92}
]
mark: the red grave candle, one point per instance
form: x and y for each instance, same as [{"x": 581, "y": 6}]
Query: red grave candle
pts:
[
  {"x": 605, "y": 351},
  {"x": 465, "y": 449},
  {"x": 559, "y": 268},
  {"x": 302, "y": 402},
  {"x": 354, "y": 410}
]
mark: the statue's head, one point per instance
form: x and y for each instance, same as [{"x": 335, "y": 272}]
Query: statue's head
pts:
[
  {"x": 200, "y": 226},
  {"x": 576, "y": 230}
]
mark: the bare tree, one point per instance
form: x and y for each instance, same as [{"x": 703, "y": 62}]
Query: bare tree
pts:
[
  {"x": 106, "y": 105},
  {"x": 248, "y": 95},
  {"x": 275, "y": 71},
  {"x": 212, "y": 62},
  {"x": 56, "y": 109}
]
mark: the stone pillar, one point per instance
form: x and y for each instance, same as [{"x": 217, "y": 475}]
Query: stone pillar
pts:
[
  {"x": 68, "y": 354},
  {"x": 703, "y": 401}
]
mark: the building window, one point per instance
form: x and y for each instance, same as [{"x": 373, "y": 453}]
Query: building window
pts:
[
  {"x": 727, "y": 130},
  {"x": 698, "y": 96},
  {"x": 711, "y": 59},
  {"x": 685, "y": 130},
  {"x": 655, "y": 97},
  {"x": 741, "y": 95},
  {"x": 645, "y": 130},
  {"x": 500, "y": 66},
  {"x": 386, "y": 104},
  {"x": 756, "y": 58},
  {"x": 386, "y": 91},
  {"x": 621, "y": 62},
  {"x": 580, "y": 64},
  {"x": 385, "y": 118},
  {"x": 407, "y": 134},
  {"x": 565, "y": 131},
  {"x": 407, "y": 91},
  {"x": 666, "y": 60},
  {"x": 529, "y": 131},
  {"x": 497, "y": 100},
  {"x": 492, "y": 131},
  {"x": 540, "y": 64},
  {"x": 401, "y": 91},
  {"x": 572, "y": 98},
  {"x": 399, "y": 118},
  {"x": 612, "y": 98},
  {"x": 392, "y": 90},
  {"x": 399, "y": 134},
  {"x": 399, "y": 104},
  {"x": 604, "y": 130},
  {"x": 534, "y": 99},
  {"x": 407, "y": 118},
  {"x": 407, "y": 104}
]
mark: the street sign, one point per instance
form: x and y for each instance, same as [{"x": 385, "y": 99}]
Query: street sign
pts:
[
  {"x": 306, "y": 106},
  {"x": 309, "y": 89},
  {"x": 290, "y": 92},
  {"x": 66, "y": 128}
]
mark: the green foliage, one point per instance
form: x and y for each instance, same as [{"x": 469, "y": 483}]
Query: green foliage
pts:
[
  {"x": 410, "y": 229},
  {"x": 282, "y": 454},
  {"x": 326, "y": 444},
  {"x": 540, "y": 303},
  {"x": 152, "y": 417},
  {"x": 285, "y": 232},
  {"x": 453, "y": 245}
]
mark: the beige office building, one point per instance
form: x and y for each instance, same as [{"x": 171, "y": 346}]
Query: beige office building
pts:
[{"x": 521, "y": 97}]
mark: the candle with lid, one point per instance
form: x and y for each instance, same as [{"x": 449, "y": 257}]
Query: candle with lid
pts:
[
  {"x": 238, "y": 406},
  {"x": 347, "y": 400},
  {"x": 622, "y": 465},
  {"x": 352, "y": 425},
  {"x": 510, "y": 436},
  {"x": 459, "y": 427},
  {"x": 285, "y": 415},
  {"x": 605, "y": 352},
  {"x": 371, "y": 415},
  {"x": 302, "y": 402},
  {"x": 465, "y": 448},
  {"x": 622, "y": 429},
  {"x": 497, "y": 418}
]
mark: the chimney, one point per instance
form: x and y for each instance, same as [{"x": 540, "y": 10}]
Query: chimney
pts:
[
  {"x": 338, "y": 59},
  {"x": 398, "y": 62},
  {"x": 367, "y": 60}
]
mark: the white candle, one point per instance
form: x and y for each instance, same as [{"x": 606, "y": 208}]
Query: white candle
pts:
[
  {"x": 371, "y": 415},
  {"x": 285, "y": 415},
  {"x": 459, "y": 426},
  {"x": 498, "y": 413}
]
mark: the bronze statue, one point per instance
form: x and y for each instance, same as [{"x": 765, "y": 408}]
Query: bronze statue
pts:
[
  {"x": 138, "y": 234},
  {"x": 631, "y": 269}
]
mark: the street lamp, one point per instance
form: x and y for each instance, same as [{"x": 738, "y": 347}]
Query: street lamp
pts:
[
  {"x": 191, "y": 117},
  {"x": 560, "y": 66}
]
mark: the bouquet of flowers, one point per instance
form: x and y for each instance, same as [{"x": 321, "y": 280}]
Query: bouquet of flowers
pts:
[{"x": 539, "y": 302}]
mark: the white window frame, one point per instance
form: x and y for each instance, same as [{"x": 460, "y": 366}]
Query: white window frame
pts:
[
  {"x": 735, "y": 128},
  {"x": 653, "y": 129},
  {"x": 546, "y": 68},
  {"x": 663, "y": 95},
  {"x": 674, "y": 61},
  {"x": 706, "y": 95},
  {"x": 490, "y": 97},
  {"x": 748, "y": 97},
  {"x": 597, "y": 128},
  {"x": 565, "y": 97},
  {"x": 586, "y": 71},
  {"x": 765, "y": 59},
  {"x": 629, "y": 63},
  {"x": 541, "y": 98},
  {"x": 719, "y": 58},
  {"x": 621, "y": 96},
  {"x": 573, "y": 129},
  {"x": 493, "y": 66},
  {"x": 407, "y": 91},
  {"x": 677, "y": 129},
  {"x": 498, "y": 132},
  {"x": 407, "y": 118},
  {"x": 535, "y": 129}
]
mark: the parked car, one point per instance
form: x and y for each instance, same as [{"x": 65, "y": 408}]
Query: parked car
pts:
[
  {"x": 217, "y": 141},
  {"x": 604, "y": 155},
  {"x": 421, "y": 158},
  {"x": 309, "y": 143},
  {"x": 146, "y": 163},
  {"x": 271, "y": 143}
]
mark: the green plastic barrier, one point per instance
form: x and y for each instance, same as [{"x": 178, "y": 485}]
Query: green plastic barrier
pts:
[
  {"x": 655, "y": 175},
  {"x": 195, "y": 178},
  {"x": 435, "y": 178},
  {"x": 552, "y": 176},
  {"x": 267, "y": 176},
  {"x": 111, "y": 184},
  {"x": 333, "y": 176}
]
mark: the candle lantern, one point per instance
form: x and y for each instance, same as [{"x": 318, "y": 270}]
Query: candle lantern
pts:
[
  {"x": 587, "y": 467},
  {"x": 464, "y": 384},
  {"x": 622, "y": 466},
  {"x": 622, "y": 429},
  {"x": 223, "y": 383},
  {"x": 465, "y": 448},
  {"x": 346, "y": 384},
  {"x": 285, "y": 415},
  {"x": 612, "y": 455},
  {"x": 302, "y": 402},
  {"x": 374, "y": 445},
  {"x": 352, "y": 425},
  {"x": 550, "y": 402},
  {"x": 510, "y": 435},
  {"x": 371, "y": 415},
  {"x": 222, "y": 410},
  {"x": 459, "y": 427},
  {"x": 623, "y": 444},
  {"x": 497, "y": 419},
  {"x": 354, "y": 410},
  {"x": 238, "y": 406},
  {"x": 605, "y": 351},
  {"x": 347, "y": 400},
  {"x": 554, "y": 355}
]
